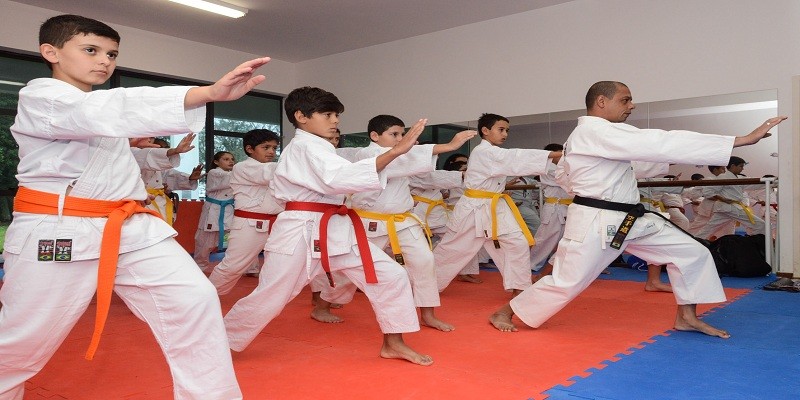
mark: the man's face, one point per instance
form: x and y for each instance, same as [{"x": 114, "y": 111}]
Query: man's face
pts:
[
  {"x": 84, "y": 60},
  {"x": 389, "y": 137},
  {"x": 619, "y": 107},
  {"x": 498, "y": 134}
]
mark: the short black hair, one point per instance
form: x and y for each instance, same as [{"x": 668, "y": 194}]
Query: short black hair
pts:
[
  {"x": 454, "y": 166},
  {"x": 697, "y": 177},
  {"x": 736, "y": 161},
  {"x": 603, "y": 88},
  {"x": 488, "y": 120},
  {"x": 309, "y": 100},
  {"x": 163, "y": 143},
  {"x": 61, "y": 28},
  {"x": 711, "y": 168},
  {"x": 554, "y": 147},
  {"x": 451, "y": 159},
  {"x": 381, "y": 123},
  {"x": 255, "y": 137}
]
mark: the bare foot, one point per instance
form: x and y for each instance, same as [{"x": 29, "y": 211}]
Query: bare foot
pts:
[
  {"x": 606, "y": 272},
  {"x": 687, "y": 320},
  {"x": 395, "y": 347},
  {"x": 657, "y": 287},
  {"x": 315, "y": 296},
  {"x": 471, "y": 278},
  {"x": 501, "y": 319},
  {"x": 322, "y": 313},
  {"x": 430, "y": 320}
]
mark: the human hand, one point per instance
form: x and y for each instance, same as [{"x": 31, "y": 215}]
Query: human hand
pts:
[
  {"x": 197, "y": 173},
  {"x": 184, "y": 146},
  {"x": 143, "y": 143},
  {"x": 462, "y": 137},
  {"x": 238, "y": 82},
  {"x": 410, "y": 138},
  {"x": 762, "y": 131}
]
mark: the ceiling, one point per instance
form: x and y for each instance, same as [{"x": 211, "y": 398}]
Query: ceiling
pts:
[{"x": 296, "y": 30}]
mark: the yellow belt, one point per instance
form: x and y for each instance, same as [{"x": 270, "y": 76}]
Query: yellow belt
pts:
[
  {"x": 556, "y": 200},
  {"x": 483, "y": 194},
  {"x": 390, "y": 219},
  {"x": 431, "y": 205},
  {"x": 748, "y": 211},
  {"x": 169, "y": 207},
  {"x": 655, "y": 203}
]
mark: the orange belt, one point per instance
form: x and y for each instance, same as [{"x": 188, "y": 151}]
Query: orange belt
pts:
[
  {"x": 36, "y": 202},
  {"x": 327, "y": 211},
  {"x": 259, "y": 216}
]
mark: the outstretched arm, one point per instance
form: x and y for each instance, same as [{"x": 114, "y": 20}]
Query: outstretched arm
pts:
[
  {"x": 759, "y": 133},
  {"x": 408, "y": 141},
  {"x": 232, "y": 86},
  {"x": 458, "y": 140}
]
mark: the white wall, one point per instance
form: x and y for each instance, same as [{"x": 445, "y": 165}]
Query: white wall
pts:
[{"x": 544, "y": 60}]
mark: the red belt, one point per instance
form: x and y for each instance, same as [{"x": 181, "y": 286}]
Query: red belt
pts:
[
  {"x": 327, "y": 211},
  {"x": 260, "y": 216}
]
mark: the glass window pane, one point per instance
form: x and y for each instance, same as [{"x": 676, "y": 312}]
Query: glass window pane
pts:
[
  {"x": 445, "y": 133},
  {"x": 249, "y": 112},
  {"x": 360, "y": 139}
]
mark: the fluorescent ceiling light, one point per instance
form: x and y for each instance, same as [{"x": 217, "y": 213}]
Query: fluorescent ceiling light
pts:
[{"x": 215, "y": 6}]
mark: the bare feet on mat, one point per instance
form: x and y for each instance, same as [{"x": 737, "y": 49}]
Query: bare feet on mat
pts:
[
  {"x": 395, "y": 347},
  {"x": 323, "y": 313},
  {"x": 657, "y": 287},
  {"x": 471, "y": 278},
  {"x": 430, "y": 320},
  {"x": 501, "y": 319},
  {"x": 687, "y": 320}
]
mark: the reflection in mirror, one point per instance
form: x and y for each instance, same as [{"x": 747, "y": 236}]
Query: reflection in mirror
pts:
[{"x": 728, "y": 114}]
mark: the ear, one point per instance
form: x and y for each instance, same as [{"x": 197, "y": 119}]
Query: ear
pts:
[
  {"x": 300, "y": 117},
  {"x": 373, "y": 136},
  {"x": 601, "y": 101},
  {"x": 49, "y": 53},
  {"x": 248, "y": 149},
  {"x": 484, "y": 131}
]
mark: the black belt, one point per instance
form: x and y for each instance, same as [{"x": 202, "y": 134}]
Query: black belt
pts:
[{"x": 633, "y": 212}]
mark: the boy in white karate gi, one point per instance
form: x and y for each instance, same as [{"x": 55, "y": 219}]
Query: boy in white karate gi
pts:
[
  {"x": 597, "y": 170},
  {"x": 553, "y": 216},
  {"x": 255, "y": 209},
  {"x": 731, "y": 204},
  {"x": 389, "y": 222},
  {"x": 78, "y": 178},
  {"x": 317, "y": 234},
  {"x": 484, "y": 216}
]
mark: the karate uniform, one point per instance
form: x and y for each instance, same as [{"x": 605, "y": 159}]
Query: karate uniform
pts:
[
  {"x": 596, "y": 165},
  {"x": 553, "y": 217},
  {"x": 430, "y": 186},
  {"x": 159, "y": 171},
  {"x": 724, "y": 213},
  {"x": 470, "y": 226},
  {"x": 57, "y": 128},
  {"x": 218, "y": 186},
  {"x": 249, "y": 182},
  {"x": 310, "y": 171},
  {"x": 703, "y": 215},
  {"x": 395, "y": 199},
  {"x": 526, "y": 200}
]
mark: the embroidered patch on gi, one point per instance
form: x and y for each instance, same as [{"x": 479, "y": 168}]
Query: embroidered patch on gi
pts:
[
  {"x": 259, "y": 224},
  {"x": 208, "y": 226},
  {"x": 611, "y": 230},
  {"x": 373, "y": 226},
  {"x": 46, "y": 250},
  {"x": 63, "y": 250},
  {"x": 316, "y": 246}
]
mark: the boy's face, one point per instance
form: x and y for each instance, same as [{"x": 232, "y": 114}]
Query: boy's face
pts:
[
  {"x": 498, "y": 134},
  {"x": 264, "y": 152},
  {"x": 322, "y": 124},
  {"x": 736, "y": 169},
  {"x": 84, "y": 61},
  {"x": 389, "y": 137}
]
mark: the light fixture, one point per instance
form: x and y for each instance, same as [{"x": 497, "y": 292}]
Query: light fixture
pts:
[{"x": 215, "y": 6}]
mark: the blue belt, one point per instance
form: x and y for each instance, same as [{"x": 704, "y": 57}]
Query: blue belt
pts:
[{"x": 221, "y": 221}]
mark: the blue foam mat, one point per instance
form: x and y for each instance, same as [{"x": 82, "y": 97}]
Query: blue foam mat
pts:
[{"x": 759, "y": 361}]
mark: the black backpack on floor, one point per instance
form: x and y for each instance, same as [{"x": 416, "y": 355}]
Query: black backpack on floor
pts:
[{"x": 740, "y": 256}]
